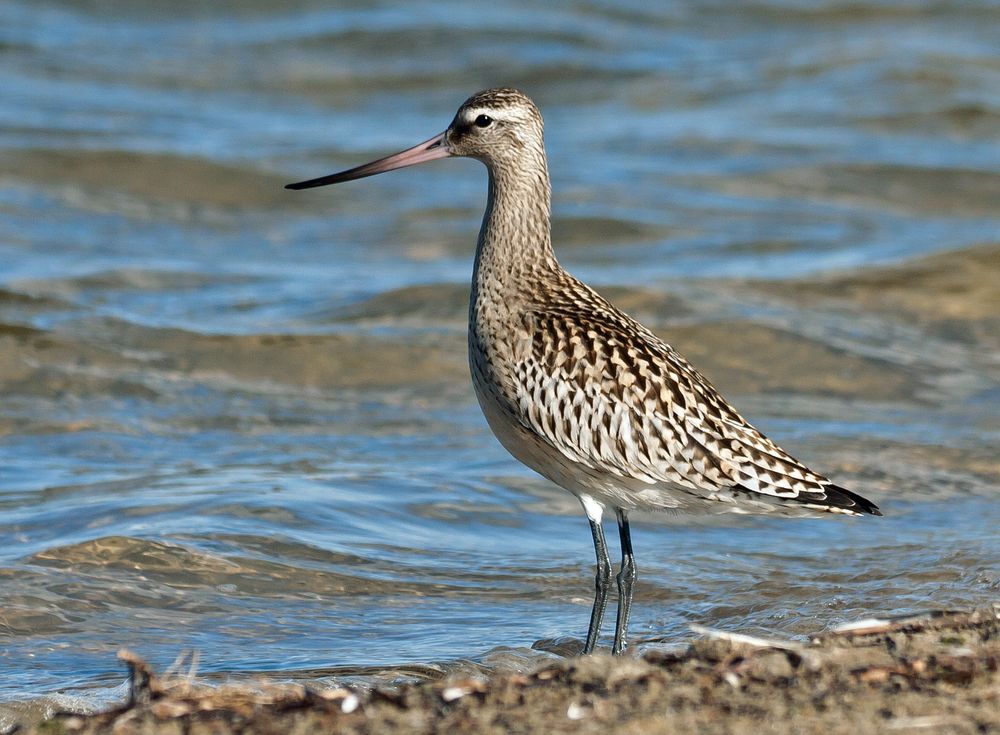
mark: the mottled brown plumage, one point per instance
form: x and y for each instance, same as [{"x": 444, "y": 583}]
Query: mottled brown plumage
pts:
[
  {"x": 578, "y": 390},
  {"x": 614, "y": 412}
]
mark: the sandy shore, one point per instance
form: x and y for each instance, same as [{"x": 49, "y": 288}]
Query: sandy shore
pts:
[{"x": 936, "y": 673}]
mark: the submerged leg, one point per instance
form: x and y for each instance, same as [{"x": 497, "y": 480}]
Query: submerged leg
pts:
[
  {"x": 603, "y": 579},
  {"x": 626, "y": 580}
]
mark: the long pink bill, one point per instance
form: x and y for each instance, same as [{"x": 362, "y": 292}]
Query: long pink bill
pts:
[{"x": 429, "y": 150}]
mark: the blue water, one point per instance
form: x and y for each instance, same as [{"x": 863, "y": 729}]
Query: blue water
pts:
[{"x": 238, "y": 419}]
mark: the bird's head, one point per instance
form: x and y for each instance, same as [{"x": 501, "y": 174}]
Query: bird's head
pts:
[{"x": 500, "y": 127}]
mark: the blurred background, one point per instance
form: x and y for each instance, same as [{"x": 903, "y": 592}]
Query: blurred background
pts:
[{"x": 238, "y": 419}]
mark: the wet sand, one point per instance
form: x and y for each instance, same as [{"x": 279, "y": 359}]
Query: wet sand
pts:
[
  {"x": 933, "y": 673},
  {"x": 951, "y": 295}
]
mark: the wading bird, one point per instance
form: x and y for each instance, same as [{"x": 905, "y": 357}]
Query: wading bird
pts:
[{"x": 578, "y": 390}]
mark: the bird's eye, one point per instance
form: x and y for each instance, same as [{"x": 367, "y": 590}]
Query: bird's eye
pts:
[{"x": 484, "y": 121}]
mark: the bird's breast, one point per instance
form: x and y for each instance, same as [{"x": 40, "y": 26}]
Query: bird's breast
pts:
[{"x": 499, "y": 339}]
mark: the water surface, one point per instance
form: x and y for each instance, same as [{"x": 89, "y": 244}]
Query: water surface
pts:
[{"x": 238, "y": 420}]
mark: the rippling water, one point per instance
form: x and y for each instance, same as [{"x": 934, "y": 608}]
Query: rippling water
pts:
[{"x": 238, "y": 419}]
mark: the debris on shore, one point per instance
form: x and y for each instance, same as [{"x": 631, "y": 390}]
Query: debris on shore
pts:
[{"x": 938, "y": 672}]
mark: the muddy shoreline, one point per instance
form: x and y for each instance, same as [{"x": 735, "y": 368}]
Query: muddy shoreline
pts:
[{"x": 936, "y": 673}]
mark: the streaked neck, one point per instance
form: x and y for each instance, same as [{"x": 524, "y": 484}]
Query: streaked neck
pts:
[{"x": 515, "y": 242}]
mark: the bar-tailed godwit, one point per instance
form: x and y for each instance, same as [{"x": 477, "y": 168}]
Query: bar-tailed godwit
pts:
[{"x": 578, "y": 390}]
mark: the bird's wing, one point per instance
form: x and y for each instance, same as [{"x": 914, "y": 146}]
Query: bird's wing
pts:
[{"x": 607, "y": 393}]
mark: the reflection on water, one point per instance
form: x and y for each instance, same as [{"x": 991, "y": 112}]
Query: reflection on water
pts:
[{"x": 238, "y": 420}]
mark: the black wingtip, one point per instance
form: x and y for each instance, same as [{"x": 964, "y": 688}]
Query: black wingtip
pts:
[{"x": 843, "y": 498}]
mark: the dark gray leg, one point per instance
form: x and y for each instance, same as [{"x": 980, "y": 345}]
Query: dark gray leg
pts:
[
  {"x": 626, "y": 580},
  {"x": 602, "y": 583}
]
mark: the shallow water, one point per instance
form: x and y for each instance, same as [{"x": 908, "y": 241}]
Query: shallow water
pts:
[{"x": 238, "y": 420}]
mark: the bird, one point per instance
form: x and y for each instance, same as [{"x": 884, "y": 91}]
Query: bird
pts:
[{"x": 579, "y": 391}]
